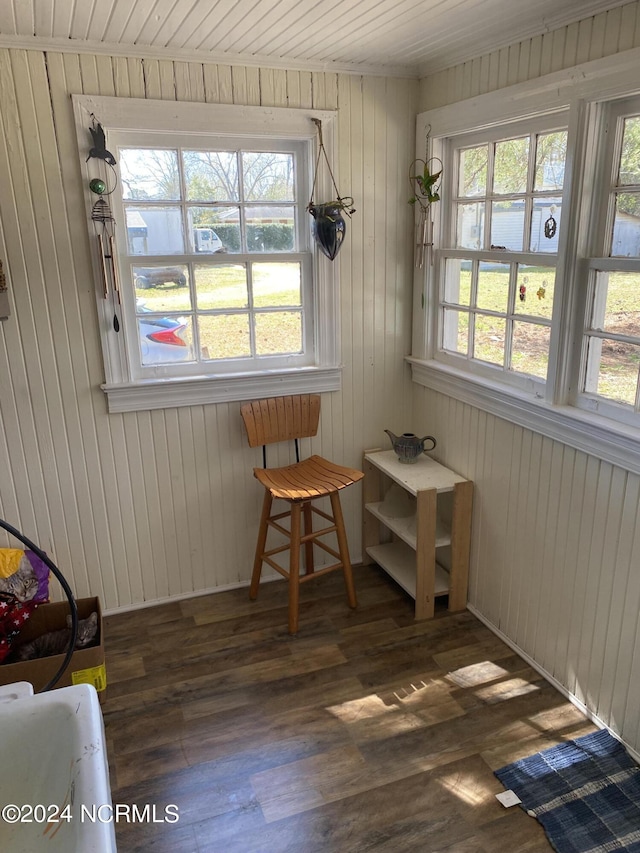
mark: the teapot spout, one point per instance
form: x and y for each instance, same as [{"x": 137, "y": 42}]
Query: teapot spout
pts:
[{"x": 393, "y": 437}]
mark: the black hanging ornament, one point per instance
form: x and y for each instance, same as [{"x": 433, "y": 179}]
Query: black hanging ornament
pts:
[
  {"x": 99, "y": 149},
  {"x": 329, "y": 227},
  {"x": 550, "y": 227}
]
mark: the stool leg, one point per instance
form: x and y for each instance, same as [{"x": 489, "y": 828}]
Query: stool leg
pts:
[
  {"x": 294, "y": 568},
  {"x": 308, "y": 545},
  {"x": 343, "y": 548},
  {"x": 261, "y": 544}
]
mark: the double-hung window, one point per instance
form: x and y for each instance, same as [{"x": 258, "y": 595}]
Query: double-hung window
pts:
[
  {"x": 609, "y": 377},
  {"x": 497, "y": 266},
  {"x": 221, "y": 294},
  {"x": 213, "y": 240},
  {"x": 529, "y": 306}
]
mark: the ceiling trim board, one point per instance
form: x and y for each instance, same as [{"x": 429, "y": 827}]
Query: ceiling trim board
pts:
[{"x": 63, "y": 45}]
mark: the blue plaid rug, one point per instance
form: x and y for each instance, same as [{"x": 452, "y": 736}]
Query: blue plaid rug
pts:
[{"x": 585, "y": 793}]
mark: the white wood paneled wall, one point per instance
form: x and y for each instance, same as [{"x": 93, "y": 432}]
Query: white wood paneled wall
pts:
[
  {"x": 143, "y": 506},
  {"x": 592, "y": 38},
  {"x": 556, "y": 536},
  {"x": 555, "y": 553}
]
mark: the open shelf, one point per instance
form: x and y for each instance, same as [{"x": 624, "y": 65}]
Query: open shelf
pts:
[
  {"x": 399, "y": 561},
  {"x": 424, "y": 473},
  {"x": 405, "y": 527}
]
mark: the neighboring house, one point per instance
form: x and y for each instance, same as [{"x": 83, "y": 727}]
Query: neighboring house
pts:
[
  {"x": 507, "y": 226},
  {"x": 507, "y": 229},
  {"x": 626, "y": 236},
  {"x": 158, "y": 231}
]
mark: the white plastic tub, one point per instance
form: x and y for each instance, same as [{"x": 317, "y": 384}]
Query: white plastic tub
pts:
[{"x": 54, "y": 762}]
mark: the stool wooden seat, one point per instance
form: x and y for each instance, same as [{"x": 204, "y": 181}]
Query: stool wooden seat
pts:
[{"x": 290, "y": 418}]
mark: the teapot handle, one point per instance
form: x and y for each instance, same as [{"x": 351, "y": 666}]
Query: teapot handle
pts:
[{"x": 429, "y": 438}]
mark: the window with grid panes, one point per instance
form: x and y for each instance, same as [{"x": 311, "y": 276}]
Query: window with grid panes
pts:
[
  {"x": 498, "y": 264},
  {"x": 215, "y": 255},
  {"x": 539, "y": 328},
  {"x": 222, "y": 295},
  {"x": 609, "y": 380}
]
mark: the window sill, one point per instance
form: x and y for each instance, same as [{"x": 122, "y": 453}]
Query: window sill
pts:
[
  {"x": 200, "y": 390},
  {"x": 592, "y": 434}
]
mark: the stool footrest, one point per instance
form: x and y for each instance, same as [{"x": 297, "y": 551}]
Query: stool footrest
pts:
[
  {"x": 277, "y": 550},
  {"x": 310, "y": 537},
  {"x": 328, "y": 549},
  {"x": 274, "y": 565},
  {"x": 323, "y": 571}
]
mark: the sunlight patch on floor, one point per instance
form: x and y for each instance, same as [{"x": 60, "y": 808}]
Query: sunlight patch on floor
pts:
[
  {"x": 360, "y": 709},
  {"x": 410, "y": 696},
  {"x": 371, "y": 718},
  {"x": 505, "y": 690},
  {"x": 411, "y": 692},
  {"x": 477, "y": 673},
  {"x": 466, "y": 787}
]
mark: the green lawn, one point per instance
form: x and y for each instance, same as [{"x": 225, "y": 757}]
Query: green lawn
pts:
[
  {"x": 531, "y": 340},
  {"x": 224, "y": 288},
  {"x": 618, "y": 361}
]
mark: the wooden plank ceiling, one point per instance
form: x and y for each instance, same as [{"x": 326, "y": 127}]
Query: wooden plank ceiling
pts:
[{"x": 413, "y": 37}]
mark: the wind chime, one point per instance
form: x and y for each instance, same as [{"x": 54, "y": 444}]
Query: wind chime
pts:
[
  {"x": 103, "y": 220},
  {"x": 424, "y": 178}
]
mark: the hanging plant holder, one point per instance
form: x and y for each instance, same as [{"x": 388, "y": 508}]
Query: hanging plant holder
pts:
[
  {"x": 329, "y": 227},
  {"x": 424, "y": 178}
]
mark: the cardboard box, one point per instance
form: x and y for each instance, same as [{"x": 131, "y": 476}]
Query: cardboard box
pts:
[{"x": 86, "y": 665}]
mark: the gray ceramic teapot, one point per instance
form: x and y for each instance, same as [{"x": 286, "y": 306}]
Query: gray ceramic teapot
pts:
[{"x": 408, "y": 447}]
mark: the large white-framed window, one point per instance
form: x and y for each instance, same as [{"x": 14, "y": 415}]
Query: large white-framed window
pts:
[
  {"x": 496, "y": 268},
  {"x": 539, "y": 326},
  {"x": 221, "y": 293},
  {"x": 609, "y": 381}
]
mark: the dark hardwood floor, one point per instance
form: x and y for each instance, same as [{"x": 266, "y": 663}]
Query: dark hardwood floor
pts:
[{"x": 368, "y": 731}]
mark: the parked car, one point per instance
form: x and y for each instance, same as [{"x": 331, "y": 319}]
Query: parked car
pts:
[
  {"x": 163, "y": 340},
  {"x": 145, "y": 277}
]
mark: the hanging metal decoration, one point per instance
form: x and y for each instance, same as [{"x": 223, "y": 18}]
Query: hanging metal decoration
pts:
[
  {"x": 329, "y": 227},
  {"x": 103, "y": 220},
  {"x": 424, "y": 178},
  {"x": 550, "y": 226},
  {"x": 99, "y": 148}
]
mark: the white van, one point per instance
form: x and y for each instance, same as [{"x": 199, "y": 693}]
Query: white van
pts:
[{"x": 206, "y": 240}]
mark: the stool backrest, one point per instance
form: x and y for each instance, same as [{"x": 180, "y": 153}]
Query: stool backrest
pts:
[{"x": 281, "y": 418}]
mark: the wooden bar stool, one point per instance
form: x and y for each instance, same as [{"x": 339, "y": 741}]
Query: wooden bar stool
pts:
[{"x": 290, "y": 418}]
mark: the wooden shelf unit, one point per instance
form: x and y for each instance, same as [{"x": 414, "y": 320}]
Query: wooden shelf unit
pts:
[{"x": 442, "y": 519}]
